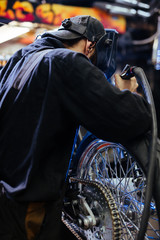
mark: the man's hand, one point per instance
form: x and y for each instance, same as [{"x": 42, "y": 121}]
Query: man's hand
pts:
[{"x": 131, "y": 84}]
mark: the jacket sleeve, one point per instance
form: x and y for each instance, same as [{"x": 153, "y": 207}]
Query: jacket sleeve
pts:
[{"x": 100, "y": 107}]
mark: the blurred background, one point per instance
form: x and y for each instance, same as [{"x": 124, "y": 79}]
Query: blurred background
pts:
[{"x": 137, "y": 21}]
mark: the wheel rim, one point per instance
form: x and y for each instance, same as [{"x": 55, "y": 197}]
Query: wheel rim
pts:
[{"x": 111, "y": 165}]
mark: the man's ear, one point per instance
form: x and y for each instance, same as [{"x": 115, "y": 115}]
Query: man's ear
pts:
[
  {"x": 92, "y": 44},
  {"x": 89, "y": 48}
]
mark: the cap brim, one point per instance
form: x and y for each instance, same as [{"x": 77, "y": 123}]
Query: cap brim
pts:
[
  {"x": 1, "y": 24},
  {"x": 64, "y": 34}
]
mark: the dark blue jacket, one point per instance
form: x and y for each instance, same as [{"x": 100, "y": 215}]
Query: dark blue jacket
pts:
[{"x": 38, "y": 122}]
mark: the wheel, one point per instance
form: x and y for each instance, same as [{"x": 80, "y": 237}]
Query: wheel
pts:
[{"x": 112, "y": 166}]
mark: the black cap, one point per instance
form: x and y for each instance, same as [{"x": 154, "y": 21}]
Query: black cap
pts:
[{"x": 79, "y": 26}]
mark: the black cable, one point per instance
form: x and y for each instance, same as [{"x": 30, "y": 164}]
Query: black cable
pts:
[{"x": 141, "y": 78}]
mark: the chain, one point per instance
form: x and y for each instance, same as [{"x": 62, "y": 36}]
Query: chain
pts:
[{"x": 72, "y": 227}]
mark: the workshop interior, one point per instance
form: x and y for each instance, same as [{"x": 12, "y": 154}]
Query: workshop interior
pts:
[{"x": 138, "y": 25}]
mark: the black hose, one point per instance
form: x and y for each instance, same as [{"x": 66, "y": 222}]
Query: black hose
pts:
[{"x": 142, "y": 80}]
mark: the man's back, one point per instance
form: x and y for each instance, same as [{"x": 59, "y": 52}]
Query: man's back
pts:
[{"x": 34, "y": 136}]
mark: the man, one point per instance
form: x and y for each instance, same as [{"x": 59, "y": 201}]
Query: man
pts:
[{"x": 39, "y": 118}]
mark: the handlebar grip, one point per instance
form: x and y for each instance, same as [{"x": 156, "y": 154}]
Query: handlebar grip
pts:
[{"x": 127, "y": 72}]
